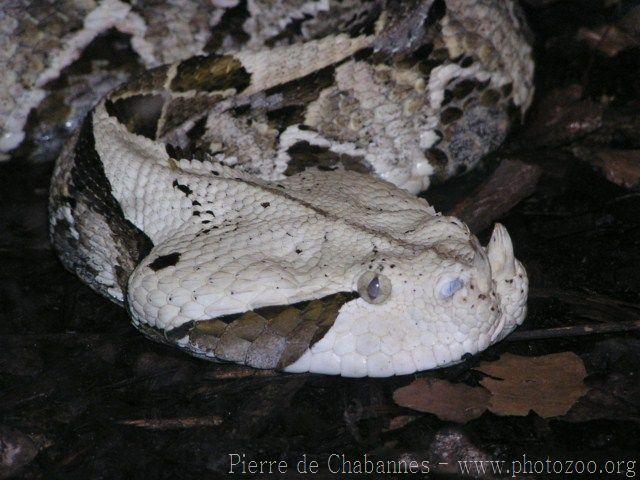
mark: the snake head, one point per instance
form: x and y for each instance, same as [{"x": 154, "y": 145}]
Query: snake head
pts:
[
  {"x": 453, "y": 299},
  {"x": 385, "y": 287}
]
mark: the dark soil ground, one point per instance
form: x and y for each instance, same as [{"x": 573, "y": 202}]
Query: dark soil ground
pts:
[{"x": 84, "y": 395}]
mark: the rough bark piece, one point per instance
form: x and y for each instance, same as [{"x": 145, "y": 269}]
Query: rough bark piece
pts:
[{"x": 511, "y": 182}]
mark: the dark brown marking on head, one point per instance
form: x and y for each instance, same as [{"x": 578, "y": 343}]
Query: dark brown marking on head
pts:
[
  {"x": 211, "y": 73},
  {"x": 139, "y": 113},
  {"x": 165, "y": 261},
  {"x": 506, "y": 89},
  {"x": 327, "y": 315},
  {"x": 304, "y": 155},
  {"x": 311, "y": 325},
  {"x": 183, "y": 188},
  {"x": 268, "y": 337}
]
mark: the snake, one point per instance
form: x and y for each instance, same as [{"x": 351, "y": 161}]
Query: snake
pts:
[{"x": 259, "y": 207}]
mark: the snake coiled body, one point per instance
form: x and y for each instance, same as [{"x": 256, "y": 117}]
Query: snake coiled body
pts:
[{"x": 257, "y": 207}]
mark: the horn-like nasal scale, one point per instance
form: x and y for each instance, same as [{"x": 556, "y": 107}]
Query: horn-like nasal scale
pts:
[{"x": 500, "y": 252}]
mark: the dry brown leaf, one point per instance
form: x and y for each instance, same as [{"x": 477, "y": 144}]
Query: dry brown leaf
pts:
[
  {"x": 454, "y": 402},
  {"x": 549, "y": 385}
]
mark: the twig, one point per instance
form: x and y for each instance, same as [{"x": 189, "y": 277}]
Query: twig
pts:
[
  {"x": 574, "y": 331},
  {"x": 590, "y": 305},
  {"x": 173, "y": 423}
]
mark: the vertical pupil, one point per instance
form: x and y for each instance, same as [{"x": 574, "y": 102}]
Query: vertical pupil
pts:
[{"x": 373, "y": 289}]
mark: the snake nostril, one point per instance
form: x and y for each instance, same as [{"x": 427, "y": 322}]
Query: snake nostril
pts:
[{"x": 450, "y": 287}]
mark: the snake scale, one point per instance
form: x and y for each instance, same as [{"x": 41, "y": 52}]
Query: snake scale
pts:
[{"x": 257, "y": 207}]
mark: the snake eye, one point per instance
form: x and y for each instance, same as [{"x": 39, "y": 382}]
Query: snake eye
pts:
[
  {"x": 449, "y": 287},
  {"x": 374, "y": 287}
]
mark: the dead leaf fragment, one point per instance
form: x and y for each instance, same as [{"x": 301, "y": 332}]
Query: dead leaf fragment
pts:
[
  {"x": 549, "y": 385},
  {"x": 400, "y": 421},
  {"x": 612, "y": 39},
  {"x": 621, "y": 167},
  {"x": 563, "y": 116},
  {"x": 608, "y": 39},
  {"x": 454, "y": 402}
]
